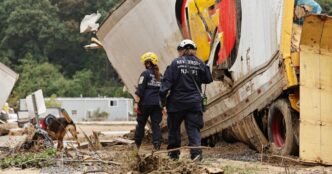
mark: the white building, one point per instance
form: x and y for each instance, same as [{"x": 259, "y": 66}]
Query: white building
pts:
[{"x": 94, "y": 109}]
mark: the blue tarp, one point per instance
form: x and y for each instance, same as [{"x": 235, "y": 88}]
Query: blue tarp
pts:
[{"x": 316, "y": 8}]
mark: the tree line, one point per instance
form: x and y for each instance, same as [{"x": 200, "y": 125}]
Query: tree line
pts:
[
  {"x": 326, "y": 6},
  {"x": 40, "y": 40}
]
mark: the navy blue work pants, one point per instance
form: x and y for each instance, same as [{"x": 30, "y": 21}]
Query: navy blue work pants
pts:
[
  {"x": 193, "y": 121},
  {"x": 155, "y": 114}
]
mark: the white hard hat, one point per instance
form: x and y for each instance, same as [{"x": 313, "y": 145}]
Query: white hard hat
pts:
[
  {"x": 187, "y": 44},
  {"x": 150, "y": 56}
]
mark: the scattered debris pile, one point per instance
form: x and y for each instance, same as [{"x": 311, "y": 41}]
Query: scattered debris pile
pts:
[
  {"x": 38, "y": 141},
  {"x": 114, "y": 155},
  {"x": 104, "y": 154}
]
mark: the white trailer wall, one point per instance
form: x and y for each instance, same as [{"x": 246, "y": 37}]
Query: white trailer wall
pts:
[
  {"x": 137, "y": 27},
  {"x": 7, "y": 81}
]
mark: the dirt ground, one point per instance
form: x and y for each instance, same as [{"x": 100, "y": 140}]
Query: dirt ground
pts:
[
  {"x": 105, "y": 127},
  {"x": 231, "y": 158}
]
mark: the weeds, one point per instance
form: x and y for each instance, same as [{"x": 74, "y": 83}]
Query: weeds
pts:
[
  {"x": 29, "y": 159},
  {"x": 240, "y": 170}
]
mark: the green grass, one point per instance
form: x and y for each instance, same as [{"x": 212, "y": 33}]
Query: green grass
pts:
[
  {"x": 29, "y": 159},
  {"x": 239, "y": 170}
]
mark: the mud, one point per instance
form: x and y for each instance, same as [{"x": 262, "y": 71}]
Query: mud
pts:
[{"x": 233, "y": 151}]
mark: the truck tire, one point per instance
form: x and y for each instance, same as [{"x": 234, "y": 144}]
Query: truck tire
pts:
[{"x": 281, "y": 129}]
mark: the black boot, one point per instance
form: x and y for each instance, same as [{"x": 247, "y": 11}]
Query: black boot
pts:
[
  {"x": 196, "y": 157},
  {"x": 156, "y": 147},
  {"x": 137, "y": 145},
  {"x": 174, "y": 155}
]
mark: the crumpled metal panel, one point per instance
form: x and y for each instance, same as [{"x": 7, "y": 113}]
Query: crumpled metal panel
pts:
[
  {"x": 7, "y": 81},
  {"x": 139, "y": 26}
]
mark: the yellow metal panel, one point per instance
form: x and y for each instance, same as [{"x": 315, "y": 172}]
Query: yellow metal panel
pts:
[
  {"x": 316, "y": 90},
  {"x": 296, "y": 59},
  {"x": 309, "y": 106},
  {"x": 312, "y": 33},
  {"x": 290, "y": 72},
  {"x": 286, "y": 40},
  {"x": 198, "y": 32},
  {"x": 209, "y": 21},
  {"x": 294, "y": 99},
  {"x": 203, "y": 6},
  {"x": 326, "y": 42},
  {"x": 326, "y": 147},
  {"x": 326, "y": 74},
  {"x": 310, "y": 151},
  {"x": 287, "y": 26},
  {"x": 326, "y": 92}
]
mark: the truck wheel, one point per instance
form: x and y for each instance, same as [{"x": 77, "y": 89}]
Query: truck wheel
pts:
[{"x": 280, "y": 128}]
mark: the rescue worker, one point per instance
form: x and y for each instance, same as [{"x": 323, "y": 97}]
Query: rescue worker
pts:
[
  {"x": 147, "y": 100},
  {"x": 182, "y": 80}
]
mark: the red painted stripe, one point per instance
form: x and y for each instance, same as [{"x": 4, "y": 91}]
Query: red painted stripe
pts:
[
  {"x": 183, "y": 18},
  {"x": 227, "y": 25}
]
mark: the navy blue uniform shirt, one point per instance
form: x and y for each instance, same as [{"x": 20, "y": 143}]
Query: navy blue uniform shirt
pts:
[
  {"x": 183, "y": 91},
  {"x": 148, "y": 88}
]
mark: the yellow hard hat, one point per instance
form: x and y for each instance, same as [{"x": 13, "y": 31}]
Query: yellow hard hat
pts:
[{"x": 150, "y": 56}]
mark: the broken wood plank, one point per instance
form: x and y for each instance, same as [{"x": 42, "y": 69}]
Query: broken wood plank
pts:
[
  {"x": 96, "y": 140},
  {"x": 124, "y": 141},
  {"x": 90, "y": 143},
  {"x": 211, "y": 170}
]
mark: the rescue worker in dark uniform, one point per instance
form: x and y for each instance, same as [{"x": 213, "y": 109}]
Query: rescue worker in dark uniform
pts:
[
  {"x": 182, "y": 80},
  {"x": 147, "y": 100}
]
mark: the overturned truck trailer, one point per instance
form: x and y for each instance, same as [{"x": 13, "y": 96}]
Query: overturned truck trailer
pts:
[
  {"x": 256, "y": 77},
  {"x": 247, "y": 44}
]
